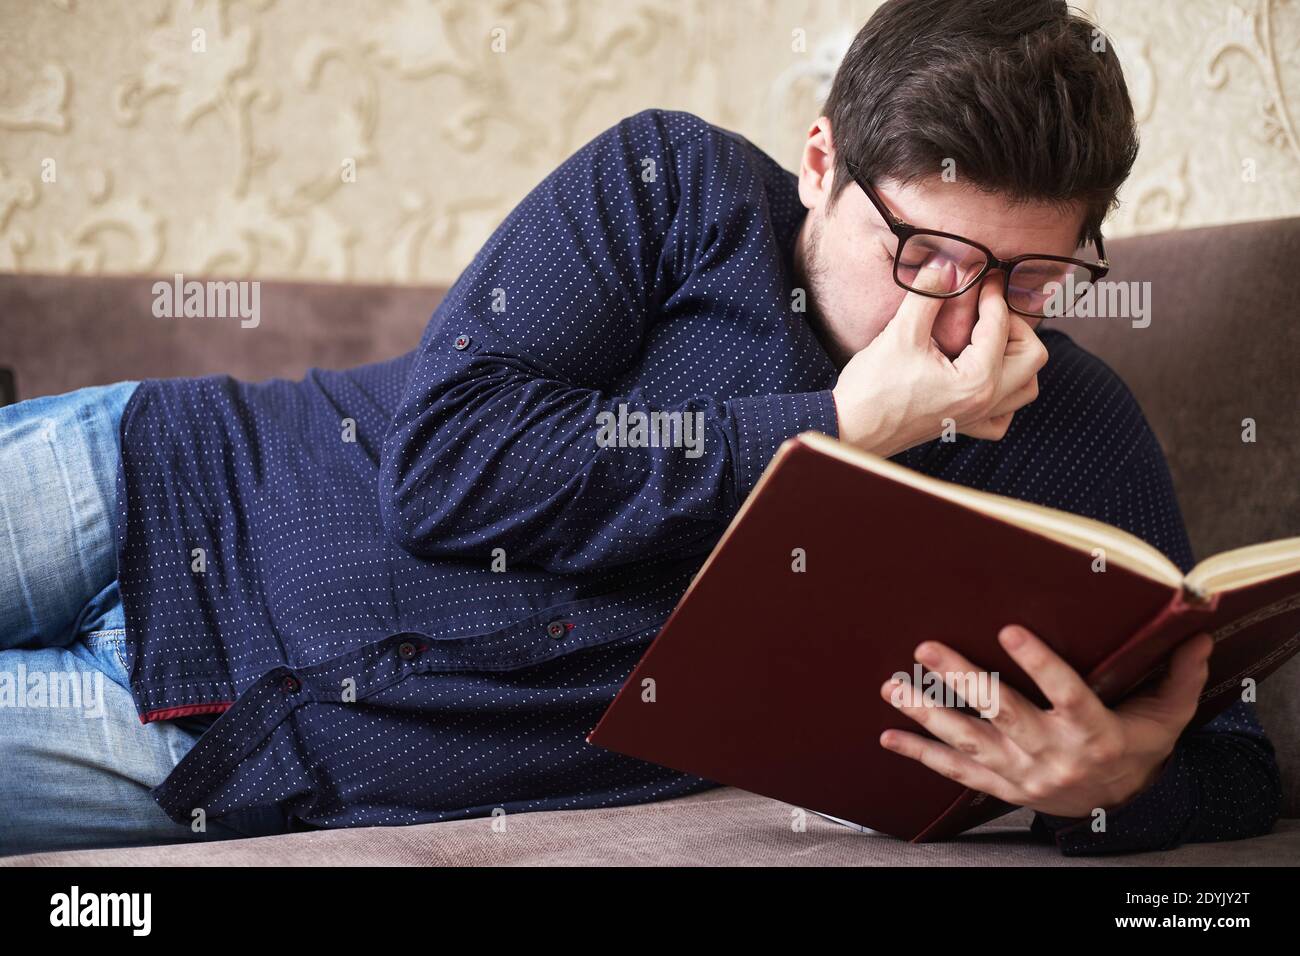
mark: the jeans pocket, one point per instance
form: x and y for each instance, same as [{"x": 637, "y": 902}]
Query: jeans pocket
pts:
[{"x": 109, "y": 650}]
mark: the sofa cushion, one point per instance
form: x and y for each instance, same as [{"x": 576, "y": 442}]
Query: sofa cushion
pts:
[{"x": 723, "y": 826}]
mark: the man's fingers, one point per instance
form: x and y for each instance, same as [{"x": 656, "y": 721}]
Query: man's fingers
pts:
[
  {"x": 967, "y": 734},
  {"x": 994, "y": 426},
  {"x": 988, "y": 339},
  {"x": 1009, "y": 711},
  {"x": 1188, "y": 670},
  {"x": 1059, "y": 682},
  {"x": 1018, "y": 327},
  {"x": 991, "y": 429},
  {"x": 1016, "y": 400},
  {"x": 914, "y": 320},
  {"x": 944, "y": 760},
  {"x": 1025, "y": 353},
  {"x": 1017, "y": 376}
]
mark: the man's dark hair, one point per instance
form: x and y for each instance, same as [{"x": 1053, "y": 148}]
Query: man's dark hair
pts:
[{"x": 1027, "y": 98}]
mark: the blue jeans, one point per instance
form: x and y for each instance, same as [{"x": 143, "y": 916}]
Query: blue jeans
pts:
[{"x": 76, "y": 764}]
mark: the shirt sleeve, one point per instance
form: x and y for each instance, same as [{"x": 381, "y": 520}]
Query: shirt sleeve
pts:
[
  {"x": 1220, "y": 783},
  {"x": 513, "y": 431},
  {"x": 1222, "y": 780}
]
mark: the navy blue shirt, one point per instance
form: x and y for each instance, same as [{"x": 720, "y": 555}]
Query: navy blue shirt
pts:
[{"x": 410, "y": 589}]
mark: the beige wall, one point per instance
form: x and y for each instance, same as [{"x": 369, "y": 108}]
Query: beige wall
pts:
[{"x": 230, "y": 160}]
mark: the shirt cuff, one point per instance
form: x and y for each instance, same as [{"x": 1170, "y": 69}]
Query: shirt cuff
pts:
[
  {"x": 763, "y": 422},
  {"x": 1153, "y": 820}
]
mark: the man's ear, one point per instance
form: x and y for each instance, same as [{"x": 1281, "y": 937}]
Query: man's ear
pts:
[{"x": 817, "y": 165}]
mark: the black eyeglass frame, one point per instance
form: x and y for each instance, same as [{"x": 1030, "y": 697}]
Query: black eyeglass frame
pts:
[{"x": 904, "y": 230}]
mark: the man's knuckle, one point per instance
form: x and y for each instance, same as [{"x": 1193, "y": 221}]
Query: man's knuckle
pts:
[
  {"x": 1040, "y": 353},
  {"x": 1071, "y": 698},
  {"x": 1008, "y": 717},
  {"x": 955, "y": 772},
  {"x": 1067, "y": 778},
  {"x": 1102, "y": 750},
  {"x": 1035, "y": 789},
  {"x": 981, "y": 395}
]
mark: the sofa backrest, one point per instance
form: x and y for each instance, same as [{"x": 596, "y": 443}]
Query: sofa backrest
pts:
[
  {"x": 1222, "y": 346},
  {"x": 63, "y": 332}
]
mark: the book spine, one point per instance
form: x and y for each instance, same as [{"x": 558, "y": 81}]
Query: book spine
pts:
[{"x": 970, "y": 809}]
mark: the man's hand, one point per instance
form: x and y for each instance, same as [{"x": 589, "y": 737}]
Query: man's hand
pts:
[
  {"x": 1067, "y": 761},
  {"x": 897, "y": 391}
]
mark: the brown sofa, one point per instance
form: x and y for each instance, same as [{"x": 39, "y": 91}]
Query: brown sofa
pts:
[{"x": 1223, "y": 345}]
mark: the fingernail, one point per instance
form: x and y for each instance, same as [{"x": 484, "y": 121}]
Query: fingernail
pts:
[
  {"x": 1012, "y": 637},
  {"x": 935, "y": 276}
]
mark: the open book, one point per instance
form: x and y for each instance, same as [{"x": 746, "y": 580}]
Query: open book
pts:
[{"x": 766, "y": 676}]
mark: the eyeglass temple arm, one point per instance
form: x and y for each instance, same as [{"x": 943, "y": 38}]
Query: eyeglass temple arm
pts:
[{"x": 871, "y": 194}]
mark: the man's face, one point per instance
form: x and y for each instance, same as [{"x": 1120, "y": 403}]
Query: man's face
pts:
[{"x": 846, "y": 255}]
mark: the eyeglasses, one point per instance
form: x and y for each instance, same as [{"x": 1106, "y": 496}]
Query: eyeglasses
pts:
[{"x": 1038, "y": 286}]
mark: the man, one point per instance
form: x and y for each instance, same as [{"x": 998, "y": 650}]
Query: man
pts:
[{"x": 405, "y": 593}]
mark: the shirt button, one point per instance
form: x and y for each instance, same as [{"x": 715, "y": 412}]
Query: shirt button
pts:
[
  {"x": 462, "y": 342},
  {"x": 291, "y": 685},
  {"x": 557, "y": 629},
  {"x": 406, "y": 650}
]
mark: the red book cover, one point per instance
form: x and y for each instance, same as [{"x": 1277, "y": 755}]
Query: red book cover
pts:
[{"x": 766, "y": 676}]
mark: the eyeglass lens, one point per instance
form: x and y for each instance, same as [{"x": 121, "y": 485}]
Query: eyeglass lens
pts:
[{"x": 1043, "y": 287}]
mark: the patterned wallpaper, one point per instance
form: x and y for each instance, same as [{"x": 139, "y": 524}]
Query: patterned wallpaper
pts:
[{"x": 383, "y": 140}]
